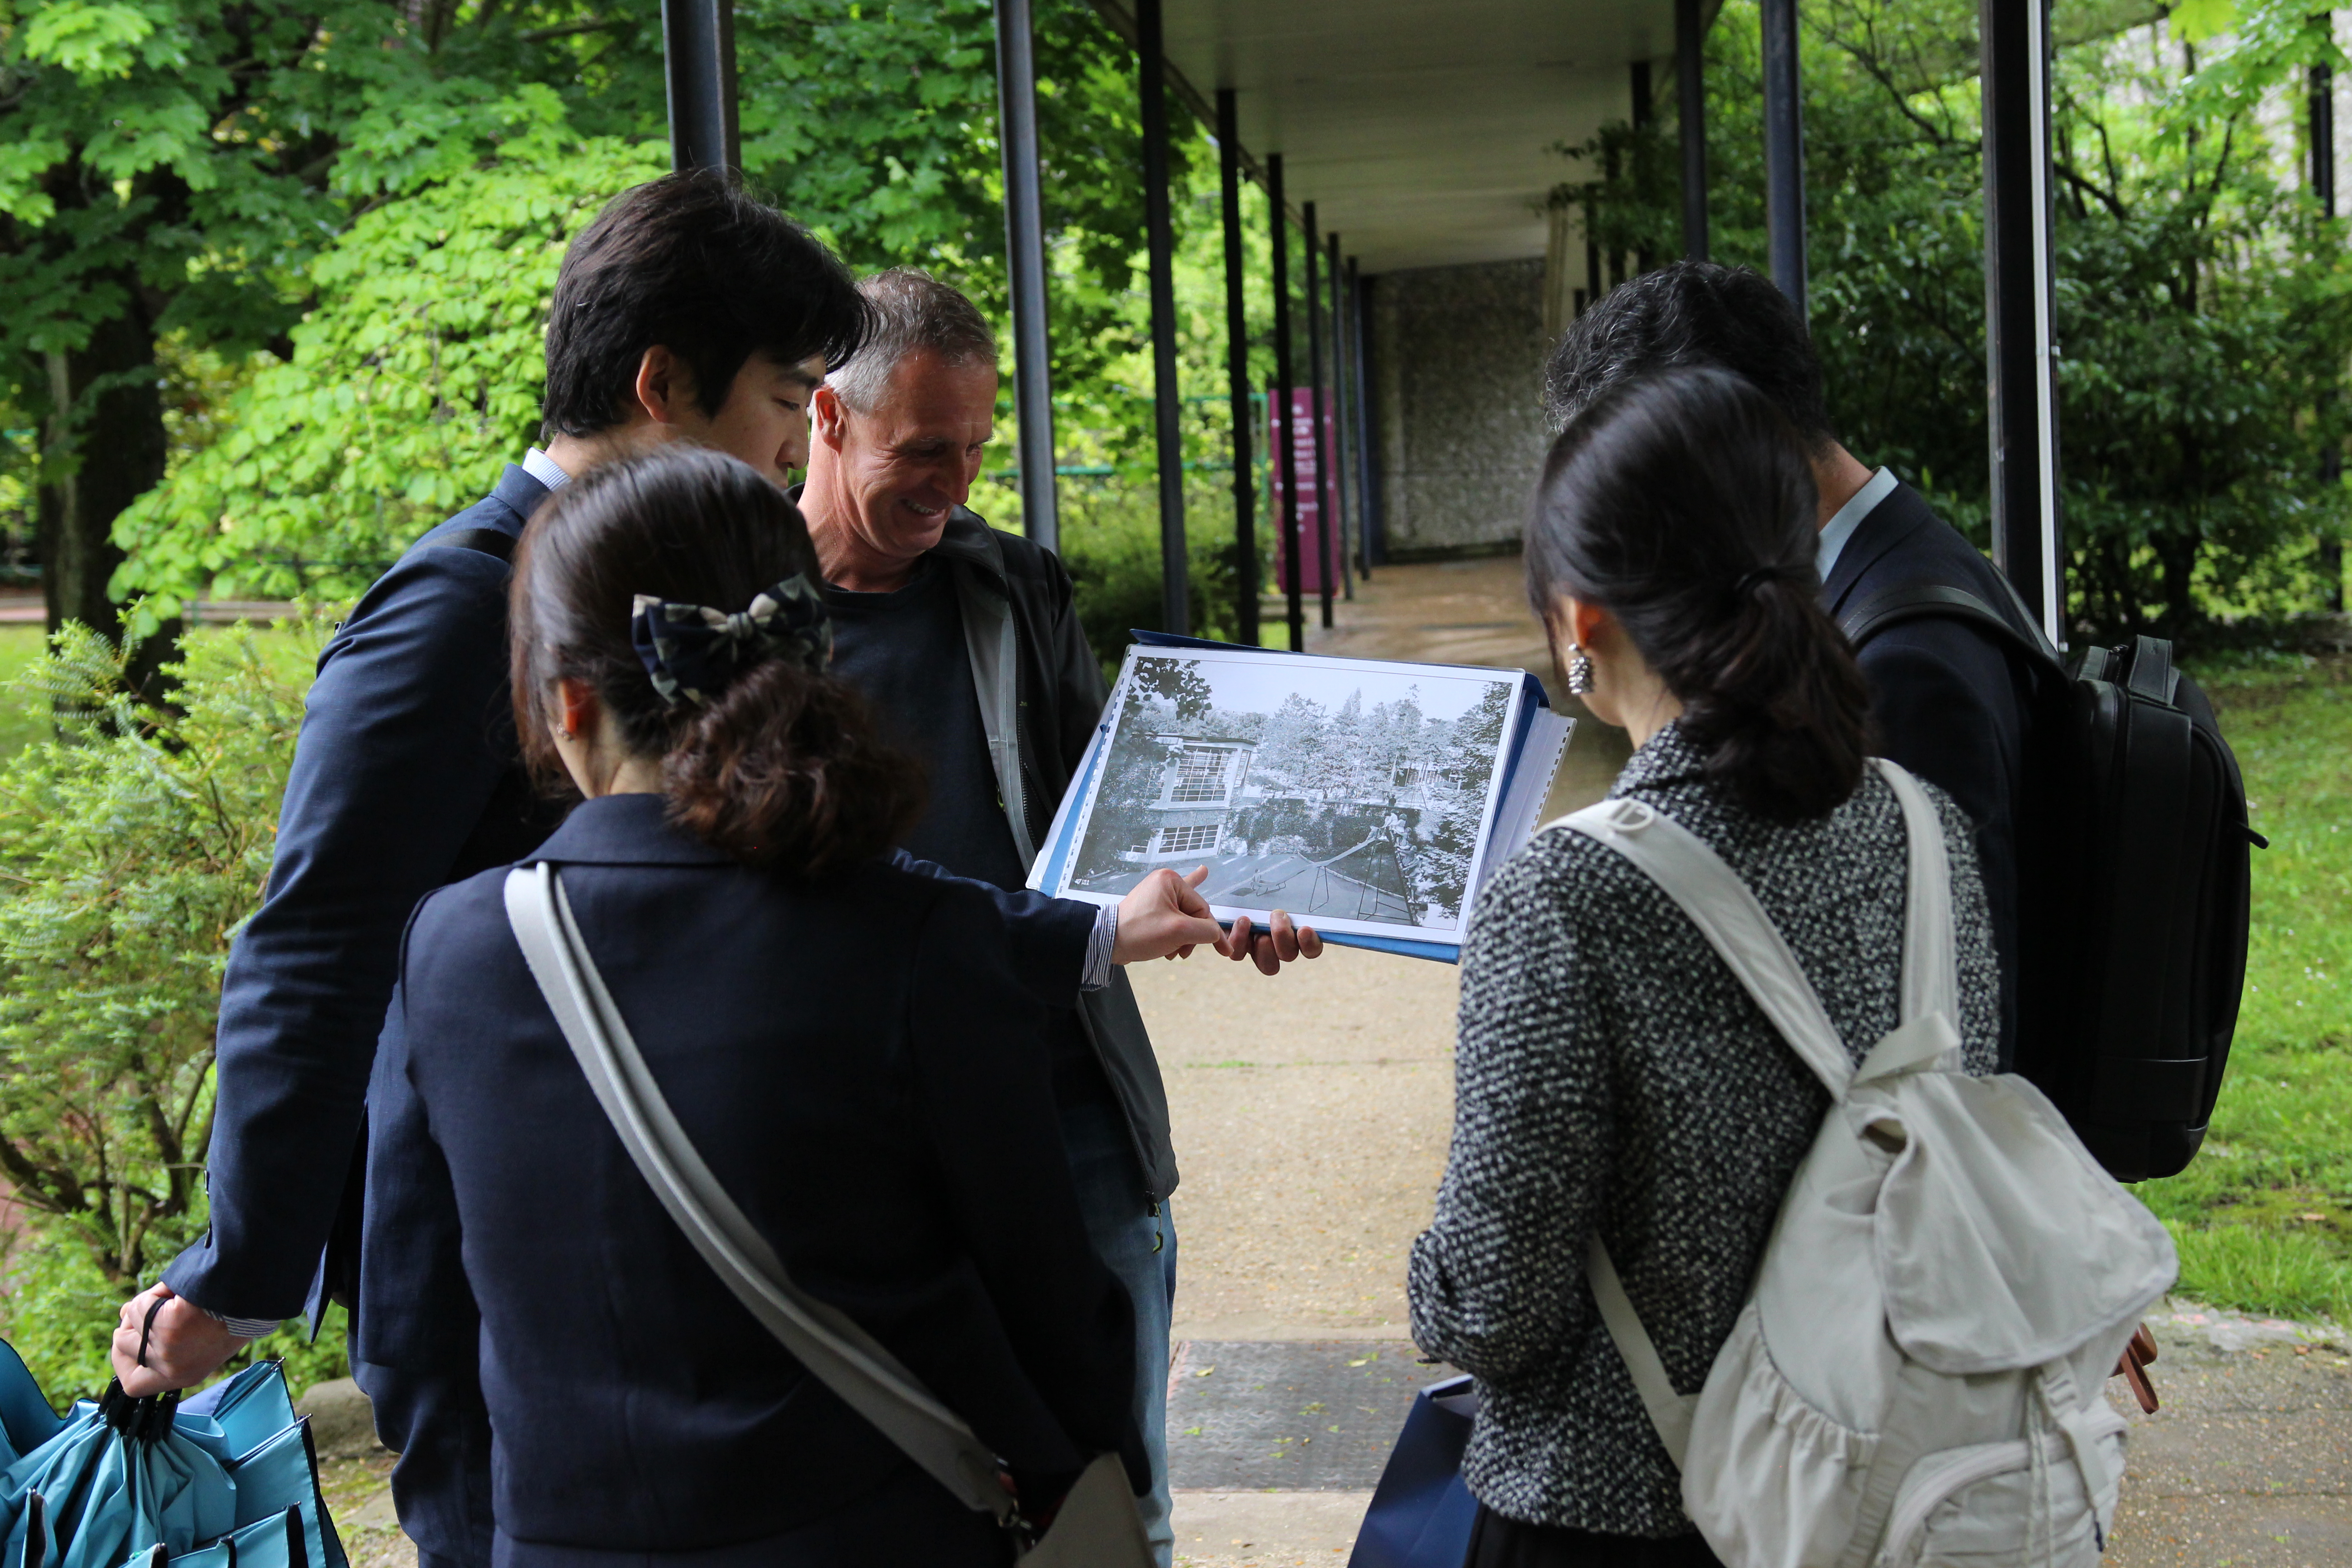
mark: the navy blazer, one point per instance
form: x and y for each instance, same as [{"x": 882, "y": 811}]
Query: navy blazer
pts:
[
  {"x": 407, "y": 777},
  {"x": 860, "y": 1068},
  {"x": 1949, "y": 701}
]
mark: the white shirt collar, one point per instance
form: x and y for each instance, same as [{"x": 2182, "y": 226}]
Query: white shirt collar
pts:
[
  {"x": 1840, "y": 527},
  {"x": 542, "y": 467}
]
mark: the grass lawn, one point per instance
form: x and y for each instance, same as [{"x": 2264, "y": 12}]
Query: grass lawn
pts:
[{"x": 2264, "y": 1216}]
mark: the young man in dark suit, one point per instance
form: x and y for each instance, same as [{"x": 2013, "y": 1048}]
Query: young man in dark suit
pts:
[
  {"x": 1950, "y": 700},
  {"x": 688, "y": 311}
]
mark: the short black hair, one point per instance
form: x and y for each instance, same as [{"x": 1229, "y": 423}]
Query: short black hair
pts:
[
  {"x": 695, "y": 263},
  {"x": 1691, "y": 313}
]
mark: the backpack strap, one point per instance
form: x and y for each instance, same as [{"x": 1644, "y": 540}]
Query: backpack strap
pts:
[
  {"x": 1930, "y": 963},
  {"x": 1890, "y": 608},
  {"x": 1670, "y": 1412},
  {"x": 1687, "y": 871}
]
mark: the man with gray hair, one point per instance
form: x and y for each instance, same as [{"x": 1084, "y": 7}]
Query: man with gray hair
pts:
[{"x": 966, "y": 642}]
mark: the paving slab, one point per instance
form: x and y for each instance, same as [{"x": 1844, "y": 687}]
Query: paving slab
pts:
[
  {"x": 1289, "y": 1416},
  {"x": 1267, "y": 1530}
]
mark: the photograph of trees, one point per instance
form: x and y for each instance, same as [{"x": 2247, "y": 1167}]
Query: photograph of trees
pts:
[{"x": 1337, "y": 789}]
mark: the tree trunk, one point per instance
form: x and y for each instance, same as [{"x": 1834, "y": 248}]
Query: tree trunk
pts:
[{"x": 103, "y": 447}]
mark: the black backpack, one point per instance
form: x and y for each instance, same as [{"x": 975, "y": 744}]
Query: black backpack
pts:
[{"x": 2133, "y": 872}]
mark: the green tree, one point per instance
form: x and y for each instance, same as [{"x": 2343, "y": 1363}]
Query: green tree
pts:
[
  {"x": 174, "y": 172},
  {"x": 2201, "y": 305}
]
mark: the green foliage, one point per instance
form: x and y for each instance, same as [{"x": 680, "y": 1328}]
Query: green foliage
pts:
[
  {"x": 2263, "y": 1218},
  {"x": 415, "y": 378},
  {"x": 2201, "y": 303},
  {"x": 60, "y": 1309},
  {"x": 1111, "y": 542},
  {"x": 133, "y": 845}
]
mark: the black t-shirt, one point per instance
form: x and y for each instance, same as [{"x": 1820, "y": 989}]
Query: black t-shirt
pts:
[{"x": 905, "y": 651}]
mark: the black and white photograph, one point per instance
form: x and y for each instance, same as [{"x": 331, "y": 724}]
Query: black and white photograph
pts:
[{"x": 1354, "y": 794}]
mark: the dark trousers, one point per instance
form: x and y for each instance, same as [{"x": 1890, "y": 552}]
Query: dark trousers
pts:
[{"x": 1499, "y": 1542}]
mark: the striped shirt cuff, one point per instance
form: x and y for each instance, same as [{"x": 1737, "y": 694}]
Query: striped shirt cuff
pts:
[
  {"x": 245, "y": 1327},
  {"x": 1101, "y": 943}
]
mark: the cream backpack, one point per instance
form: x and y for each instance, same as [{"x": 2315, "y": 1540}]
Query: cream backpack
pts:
[{"x": 1917, "y": 1376}]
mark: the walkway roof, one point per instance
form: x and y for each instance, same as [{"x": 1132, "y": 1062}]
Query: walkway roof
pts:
[{"x": 1421, "y": 131}]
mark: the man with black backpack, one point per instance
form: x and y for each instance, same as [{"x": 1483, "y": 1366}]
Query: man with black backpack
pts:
[
  {"x": 1949, "y": 699},
  {"x": 2111, "y": 819}
]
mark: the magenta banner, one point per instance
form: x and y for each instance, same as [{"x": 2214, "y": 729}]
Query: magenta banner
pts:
[{"x": 1302, "y": 440}]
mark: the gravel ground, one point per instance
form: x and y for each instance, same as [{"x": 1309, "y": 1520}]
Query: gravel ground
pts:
[{"x": 1311, "y": 1113}]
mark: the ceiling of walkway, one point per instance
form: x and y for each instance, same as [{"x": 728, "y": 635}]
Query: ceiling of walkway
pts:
[{"x": 1422, "y": 128}]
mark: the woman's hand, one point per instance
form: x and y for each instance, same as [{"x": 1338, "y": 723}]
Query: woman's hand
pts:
[
  {"x": 1165, "y": 917},
  {"x": 183, "y": 1344}
]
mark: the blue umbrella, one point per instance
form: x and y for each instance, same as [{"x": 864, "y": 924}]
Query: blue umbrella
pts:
[
  {"x": 117, "y": 1476},
  {"x": 124, "y": 1483},
  {"x": 278, "y": 1541}
]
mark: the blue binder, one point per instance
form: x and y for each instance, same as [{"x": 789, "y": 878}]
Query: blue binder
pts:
[
  {"x": 1421, "y": 1514},
  {"x": 1529, "y": 760}
]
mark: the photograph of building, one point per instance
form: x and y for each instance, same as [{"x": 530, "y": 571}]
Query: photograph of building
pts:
[{"x": 1337, "y": 790}]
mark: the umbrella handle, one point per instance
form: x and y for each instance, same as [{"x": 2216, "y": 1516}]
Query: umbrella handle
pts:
[{"x": 147, "y": 1329}]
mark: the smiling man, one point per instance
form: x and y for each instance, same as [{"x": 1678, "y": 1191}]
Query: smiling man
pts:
[{"x": 966, "y": 642}]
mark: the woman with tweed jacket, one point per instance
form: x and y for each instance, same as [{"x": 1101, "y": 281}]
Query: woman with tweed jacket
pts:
[{"x": 1612, "y": 1075}]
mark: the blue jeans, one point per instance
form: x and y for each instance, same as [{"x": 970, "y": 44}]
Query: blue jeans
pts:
[{"x": 1139, "y": 1248}]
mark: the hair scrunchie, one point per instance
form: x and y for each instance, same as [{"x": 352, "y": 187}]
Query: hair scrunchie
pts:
[{"x": 693, "y": 652}]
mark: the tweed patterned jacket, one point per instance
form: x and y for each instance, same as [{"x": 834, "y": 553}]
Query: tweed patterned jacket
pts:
[{"x": 1613, "y": 1073}]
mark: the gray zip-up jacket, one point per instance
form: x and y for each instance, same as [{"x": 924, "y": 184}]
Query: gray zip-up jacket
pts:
[{"x": 1041, "y": 699}]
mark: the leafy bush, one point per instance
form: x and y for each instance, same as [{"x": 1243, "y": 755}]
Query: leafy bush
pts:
[
  {"x": 133, "y": 845},
  {"x": 1111, "y": 542}
]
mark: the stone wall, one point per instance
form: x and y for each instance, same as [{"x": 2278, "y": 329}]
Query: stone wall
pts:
[{"x": 1456, "y": 357}]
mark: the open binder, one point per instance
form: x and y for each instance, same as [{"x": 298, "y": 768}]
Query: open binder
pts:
[{"x": 1371, "y": 799}]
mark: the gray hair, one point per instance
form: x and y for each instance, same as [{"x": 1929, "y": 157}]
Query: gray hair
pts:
[{"x": 911, "y": 312}]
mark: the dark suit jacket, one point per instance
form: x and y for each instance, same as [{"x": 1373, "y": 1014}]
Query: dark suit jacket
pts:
[
  {"x": 861, "y": 1069},
  {"x": 407, "y": 777},
  {"x": 1948, "y": 700}
]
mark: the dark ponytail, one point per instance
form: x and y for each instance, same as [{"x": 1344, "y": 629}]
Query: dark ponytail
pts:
[
  {"x": 1684, "y": 506},
  {"x": 780, "y": 767}
]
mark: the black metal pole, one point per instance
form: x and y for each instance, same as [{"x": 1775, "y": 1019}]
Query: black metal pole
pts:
[
  {"x": 1784, "y": 151},
  {"x": 1315, "y": 420},
  {"x": 1237, "y": 375},
  {"x": 1286, "y": 457},
  {"x": 1365, "y": 506},
  {"x": 1645, "y": 114},
  {"x": 2023, "y": 401},
  {"x": 1167, "y": 394},
  {"x": 2323, "y": 184},
  {"x": 1025, "y": 266},
  {"x": 1338, "y": 412},
  {"x": 699, "y": 67},
  {"x": 1690, "y": 110}
]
